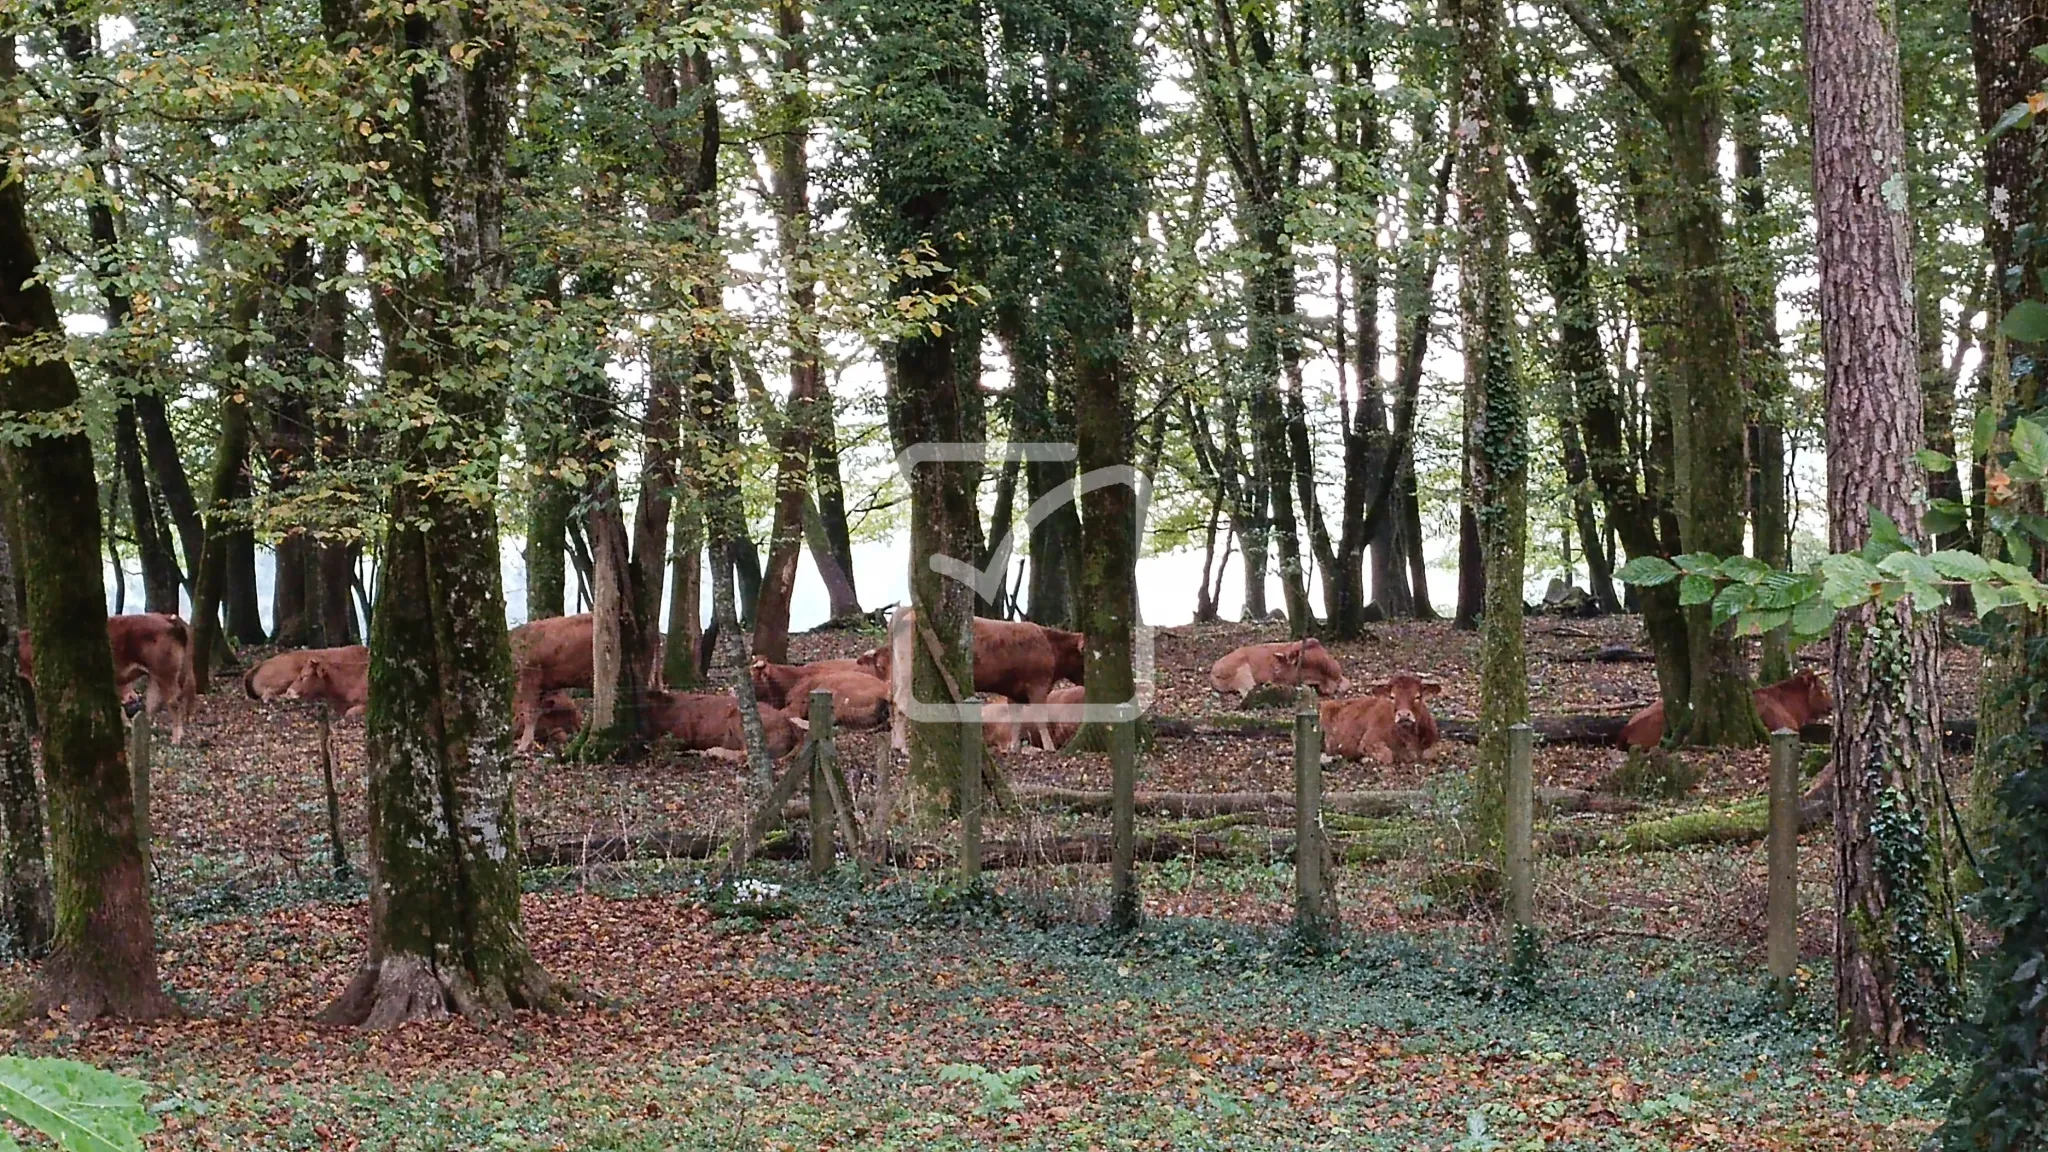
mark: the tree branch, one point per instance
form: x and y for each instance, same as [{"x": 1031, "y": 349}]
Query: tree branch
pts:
[{"x": 1602, "y": 38}]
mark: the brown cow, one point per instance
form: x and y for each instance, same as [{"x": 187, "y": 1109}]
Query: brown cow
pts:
[
  {"x": 1003, "y": 725},
  {"x": 151, "y": 644},
  {"x": 710, "y": 723},
  {"x": 786, "y": 685},
  {"x": 546, "y": 655},
  {"x": 1390, "y": 723},
  {"x": 1793, "y": 702},
  {"x": 1015, "y": 659},
  {"x": 559, "y": 715},
  {"x": 1290, "y": 663},
  {"x": 341, "y": 679},
  {"x": 269, "y": 678}
]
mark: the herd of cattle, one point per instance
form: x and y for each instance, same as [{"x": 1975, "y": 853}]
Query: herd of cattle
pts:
[{"x": 1017, "y": 664}]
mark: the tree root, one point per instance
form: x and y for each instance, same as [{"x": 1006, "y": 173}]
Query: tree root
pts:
[
  {"x": 74, "y": 991},
  {"x": 399, "y": 988}
]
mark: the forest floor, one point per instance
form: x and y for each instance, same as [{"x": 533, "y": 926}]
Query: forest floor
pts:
[{"x": 905, "y": 1014}]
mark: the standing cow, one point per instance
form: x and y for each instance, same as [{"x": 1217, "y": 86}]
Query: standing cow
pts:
[{"x": 151, "y": 644}]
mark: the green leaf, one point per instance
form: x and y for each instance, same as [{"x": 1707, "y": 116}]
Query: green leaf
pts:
[
  {"x": 2040, "y": 52},
  {"x": 2027, "y": 322},
  {"x": 1848, "y": 580},
  {"x": 82, "y": 1108},
  {"x": 1758, "y": 622},
  {"x": 1702, "y": 562},
  {"x": 1911, "y": 567},
  {"x": 2012, "y": 116},
  {"x": 1696, "y": 588},
  {"x": 1982, "y": 429},
  {"x": 2021, "y": 551},
  {"x": 1786, "y": 590},
  {"x": 2030, "y": 444},
  {"x": 1940, "y": 520},
  {"x": 1730, "y": 602},
  {"x": 1743, "y": 569},
  {"x": 1934, "y": 461},
  {"x": 1959, "y": 565},
  {"x": 1812, "y": 619},
  {"x": 1885, "y": 537},
  {"x": 1647, "y": 572}
]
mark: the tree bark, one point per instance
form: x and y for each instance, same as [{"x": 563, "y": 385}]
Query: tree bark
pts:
[
  {"x": 547, "y": 563},
  {"x": 686, "y": 590},
  {"x": 1497, "y": 453},
  {"x": 230, "y": 458},
  {"x": 103, "y": 956},
  {"x": 443, "y": 847},
  {"x": 160, "y": 576},
  {"x": 2003, "y": 34},
  {"x": 790, "y": 166},
  {"x": 1890, "y": 969},
  {"x": 831, "y": 510},
  {"x": 25, "y": 897}
]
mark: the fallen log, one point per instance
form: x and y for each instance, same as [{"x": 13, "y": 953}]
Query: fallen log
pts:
[
  {"x": 1578, "y": 728},
  {"x": 1089, "y": 848},
  {"x": 1390, "y": 802}
]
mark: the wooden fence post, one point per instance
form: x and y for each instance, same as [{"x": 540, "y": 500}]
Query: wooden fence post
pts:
[
  {"x": 1781, "y": 917},
  {"x": 970, "y": 793},
  {"x": 1315, "y": 902},
  {"x": 139, "y": 752},
  {"x": 1125, "y": 904},
  {"x": 338, "y": 848},
  {"x": 1521, "y": 798},
  {"x": 821, "y": 789}
]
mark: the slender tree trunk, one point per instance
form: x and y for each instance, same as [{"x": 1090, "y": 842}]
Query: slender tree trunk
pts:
[
  {"x": 1471, "y": 552},
  {"x": 230, "y": 457},
  {"x": 159, "y": 566},
  {"x": 1889, "y": 937},
  {"x": 831, "y": 509},
  {"x": 30, "y": 910},
  {"x": 103, "y": 955},
  {"x": 1764, "y": 377},
  {"x": 244, "y": 611},
  {"x": 1498, "y": 450},
  {"x": 1044, "y": 409},
  {"x": 790, "y": 161},
  {"x": 1418, "y": 563},
  {"x": 686, "y": 595}
]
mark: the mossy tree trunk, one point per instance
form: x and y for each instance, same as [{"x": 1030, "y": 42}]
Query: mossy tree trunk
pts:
[
  {"x": 1498, "y": 449},
  {"x": 24, "y": 870},
  {"x": 103, "y": 955},
  {"x": 547, "y": 560},
  {"x": 1097, "y": 78},
  {"x": 1893, "y": 982},
  {"x": 230, "y": 459},
  {"x": 834, "y": 538},
  {"x": 443, "y": 846}
]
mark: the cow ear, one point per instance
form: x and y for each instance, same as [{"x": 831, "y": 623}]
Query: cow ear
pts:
[
  {"x": 1311, "y": 642},
  {"x": 1430, "y": 688},
  {"x": 760, "y": 662},
  {"x": 1380, "y": 688}
]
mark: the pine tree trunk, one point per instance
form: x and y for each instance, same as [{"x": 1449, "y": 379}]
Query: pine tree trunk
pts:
[
  {"x": 103, "y": 956},
  {"x": 30, "y": 911},
  {"x": 1497, "y": 451},
  {"x": 1890, "y": 969},
  {"x": 443, "y": 845}
]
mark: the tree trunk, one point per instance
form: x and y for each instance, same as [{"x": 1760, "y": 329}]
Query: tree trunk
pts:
[
  {"x": 160, "y": 575},
  {"x": 1471, "y": 553},
  {"x": 831, "y": 509},
  {"x": 30, "y": 911},
  {"x": 686, "y": 590},
  {"x": 2003, "y": 34},
  {"x": 547, "y": 564},
  {"x": 1498, "y": 451},
  {"x": 1411, "y": 518},
  {"x": 1706, "y": 386},
  {"x": 1893, "y": 981},
  {"x": 443, "y": 845},
  {"x": 790, "y": 164},
  {"x": 338, "y": 623},
  {"x": 1044, "y": 411},
  {"x": 244, "y": 611},
  {"x": 1764, "y": 378},
  {"x": 230, "y": 457},
  {"x": 103, "y": 956}
]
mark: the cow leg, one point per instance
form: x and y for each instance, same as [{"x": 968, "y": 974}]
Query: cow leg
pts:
[
  {"x": 1037, "y": 700},
  {"x": 526, "y": 707},
  {"x": 732, "y": 755},
  {"x": 1242, "y": 681}
]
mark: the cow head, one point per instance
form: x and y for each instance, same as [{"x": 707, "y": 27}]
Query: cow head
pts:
[
  {"x": 1314, "y": 665},
  {"x": 876, "y": 660},
  {"x": 312, "y": 680},
  {"x": 1408, "y": 692},
  {"x": 1068, "y": 648},
  {"x": 1809, "y": 683}
]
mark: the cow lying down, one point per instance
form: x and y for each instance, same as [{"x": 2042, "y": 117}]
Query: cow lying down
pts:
[{"x": 710, "y": 723}]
